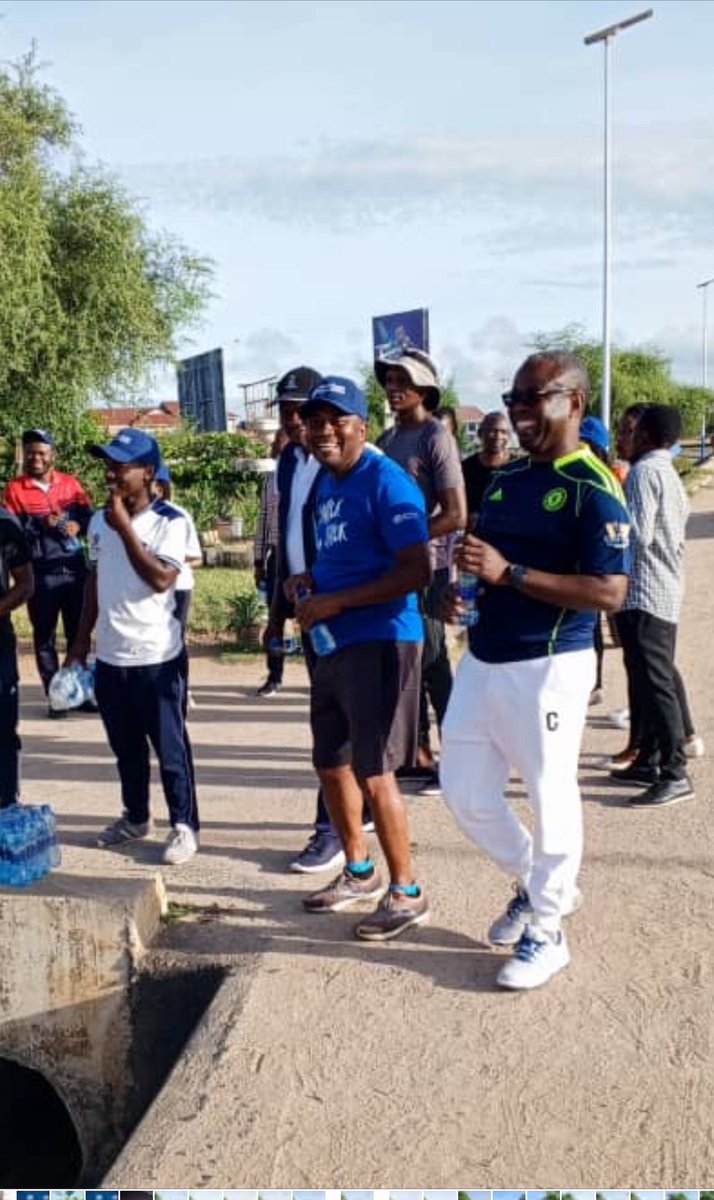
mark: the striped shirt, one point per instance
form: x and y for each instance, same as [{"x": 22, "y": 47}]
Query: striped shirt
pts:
[{"x": 659, "y": 509}]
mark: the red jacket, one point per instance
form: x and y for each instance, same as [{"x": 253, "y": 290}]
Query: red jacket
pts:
[{"x": 51, "y": 548}]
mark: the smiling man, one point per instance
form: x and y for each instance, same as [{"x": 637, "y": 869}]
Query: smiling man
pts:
[
  {"x": 551, "y": 548},
  {"x": 54, "y": 511},
  {"x": 372, "y": 558}
]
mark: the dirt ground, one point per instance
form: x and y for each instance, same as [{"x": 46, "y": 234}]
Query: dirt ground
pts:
[{"x": 324, "y": 1062}]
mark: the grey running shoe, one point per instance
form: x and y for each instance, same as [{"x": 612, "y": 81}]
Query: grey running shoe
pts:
[
  {"x": 395, "y": 913},
  {"x": 122, "y": 831},
  {"x": 343, "y": 892},
  {"x": 510, "y": 926}
]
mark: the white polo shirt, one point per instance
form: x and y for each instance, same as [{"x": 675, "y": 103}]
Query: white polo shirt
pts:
[{"x": 136, "y": 626}]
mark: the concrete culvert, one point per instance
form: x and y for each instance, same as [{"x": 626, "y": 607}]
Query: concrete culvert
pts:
[{"x": 39, "y": 1140}]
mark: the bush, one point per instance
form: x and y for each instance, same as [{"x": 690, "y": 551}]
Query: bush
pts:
[{"x": 205, "y": 477}]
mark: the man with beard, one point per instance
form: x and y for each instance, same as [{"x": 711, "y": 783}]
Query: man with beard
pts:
[
  {"x": 372, "y": 558},
  {"x": 550, "y": 549}
]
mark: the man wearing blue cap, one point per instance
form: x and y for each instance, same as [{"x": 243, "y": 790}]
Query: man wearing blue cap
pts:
[
  {"x": 138, "y": 546},
  {"x": 54, "y": 511},
  {"x": 372, "y": 558}
]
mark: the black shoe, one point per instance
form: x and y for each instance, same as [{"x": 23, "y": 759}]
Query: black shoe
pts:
[
  {"x": 56, "y": 714},
  {"x": 421, "y": 773},
  {"x": 270, "y": 688},
  {"x": 667, "y": 791},
  {"x": 88, "y": 706},
  {"x": 639, "y": 775}
]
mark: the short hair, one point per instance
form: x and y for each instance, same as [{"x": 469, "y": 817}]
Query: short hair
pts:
[
  {"x": 662, "y": 423},
  {"x": 493, "y": 415},
  {"x": 566, "y": 363},
  {"x": 446, "y": 413},
  {"x": 635, "y": 410}
]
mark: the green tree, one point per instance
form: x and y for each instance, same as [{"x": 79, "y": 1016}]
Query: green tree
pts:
[
  {"x": 90, "y": 299},
  {"x": 638, "y": 375}
]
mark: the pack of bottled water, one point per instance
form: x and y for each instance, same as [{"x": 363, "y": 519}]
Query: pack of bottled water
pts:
[
  {"x": 28, "y": 844},
  {"x": 71, "y": 686}
]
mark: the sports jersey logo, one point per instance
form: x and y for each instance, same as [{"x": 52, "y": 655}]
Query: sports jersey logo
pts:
[
  {"x": 617, "y": 535},
  {"x": 555, "y": 499},
  {"x": 497, "y": 495}
]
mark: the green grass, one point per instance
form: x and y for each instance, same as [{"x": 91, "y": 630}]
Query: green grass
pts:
[{"x": 210, "y": 611}]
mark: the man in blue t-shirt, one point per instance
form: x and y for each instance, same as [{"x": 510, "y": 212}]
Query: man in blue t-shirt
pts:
[
  {"x": 362, "y": 614},
  {"x": 551, "y": 549}
]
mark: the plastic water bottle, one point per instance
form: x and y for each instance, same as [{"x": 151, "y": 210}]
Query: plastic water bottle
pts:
[
  {"x": 320, "y": 634},
  {"x": 468, "y": 586}
]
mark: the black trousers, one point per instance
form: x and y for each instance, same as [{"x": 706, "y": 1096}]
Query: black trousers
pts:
[
  {"x": 648, "y": 647},
  {"x": 56, "y": 595},
  {"x": 9, "y": 740},
  {"x": 436, "y": 676},
  {"x": 143, "y": 707}
]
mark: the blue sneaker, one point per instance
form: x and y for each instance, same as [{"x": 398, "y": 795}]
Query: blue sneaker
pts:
[
  {"x": 322, "y": 853},
  {"x": 510, "y": 926},
  {"x": 539, "y": 955}
]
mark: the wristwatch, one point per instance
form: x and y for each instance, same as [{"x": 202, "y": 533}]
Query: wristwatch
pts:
[{"x": 516, "y": 574}]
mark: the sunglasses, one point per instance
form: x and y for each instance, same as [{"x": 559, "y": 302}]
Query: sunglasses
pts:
[{"x": 532, "y": 396}]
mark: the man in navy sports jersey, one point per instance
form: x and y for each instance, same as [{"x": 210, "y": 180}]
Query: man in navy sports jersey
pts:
[
  {"x": 137, "y": 545},
  {"x": 550, "y": 549}
]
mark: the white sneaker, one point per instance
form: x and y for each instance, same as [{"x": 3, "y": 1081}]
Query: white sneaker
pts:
[
  {"x": 620, "y": 718},
  {"x": 510, "y": 926},
  {"x": 181, "y": 846},
  {"x": 694, "y": 746},
  {"x": 122, "y": 831},
  {"x": 539, "y": 955}
]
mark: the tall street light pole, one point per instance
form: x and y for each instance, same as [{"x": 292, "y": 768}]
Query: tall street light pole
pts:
[
  {"x": 703, "y": 435},
  {"x": 605, "y": 36}
]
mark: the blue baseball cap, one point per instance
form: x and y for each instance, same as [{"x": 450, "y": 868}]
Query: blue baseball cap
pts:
[
  {"x": 130, "y": 446},
  {"x": 341, "y": 393},
  {"x": 593, "y": 430},
  {"x": 163, "y": 475},
  {"x": 37, "y": 435}
]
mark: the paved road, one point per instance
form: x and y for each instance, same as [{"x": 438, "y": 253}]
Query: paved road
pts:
[{"x": 327, "y": 1063}]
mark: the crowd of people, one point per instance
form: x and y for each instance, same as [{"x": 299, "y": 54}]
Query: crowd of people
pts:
[{"x": 362, "y": 546}]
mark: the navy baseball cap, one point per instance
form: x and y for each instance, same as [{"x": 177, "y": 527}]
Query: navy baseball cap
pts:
[
  {"x": 340, "y": 393},
  {"x": 296, "y": 384},
  {"x": 163, "y": 475},
  {"x": 37, "y": 435},
  {"x": 593, "y": 430},
  {"x": 130, "y": 446}
]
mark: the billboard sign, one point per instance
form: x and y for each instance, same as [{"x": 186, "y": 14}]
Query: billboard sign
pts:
[
  {"x": 401, "y": 331},
  {"x": 201, "y": 393}
]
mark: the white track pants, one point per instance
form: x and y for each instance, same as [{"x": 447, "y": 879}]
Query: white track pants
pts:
[{"x": 529, "y": 716}]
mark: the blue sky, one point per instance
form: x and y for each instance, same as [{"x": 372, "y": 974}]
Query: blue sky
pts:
[{"x": 340, "y": 159}]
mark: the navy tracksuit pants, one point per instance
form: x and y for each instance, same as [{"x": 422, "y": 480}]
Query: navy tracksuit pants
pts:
[
  {"x": 9, "y": 739},
  {"x": 58, "y": 593},
  {"x": 143, "y": 707}
]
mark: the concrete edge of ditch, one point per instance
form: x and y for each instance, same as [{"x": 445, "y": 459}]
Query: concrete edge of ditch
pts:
[{"x": 183, "y": 1094}]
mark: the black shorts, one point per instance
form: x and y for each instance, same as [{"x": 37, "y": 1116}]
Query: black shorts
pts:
[{"x": 364, "y": 707}]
